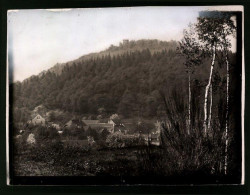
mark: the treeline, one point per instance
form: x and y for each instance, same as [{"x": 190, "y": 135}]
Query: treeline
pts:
[{"x": 127, "y": 84}]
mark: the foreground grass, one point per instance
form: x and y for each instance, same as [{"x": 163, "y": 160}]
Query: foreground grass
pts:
[
  {"x": 66, "y": 161},
  {"x": 58, "y": 159}
]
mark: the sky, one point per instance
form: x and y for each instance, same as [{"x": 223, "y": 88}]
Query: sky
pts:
[{"x": 38, "y": 39}]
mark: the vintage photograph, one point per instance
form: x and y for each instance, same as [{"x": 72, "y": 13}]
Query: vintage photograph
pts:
[{"x": 154, "y": 95}]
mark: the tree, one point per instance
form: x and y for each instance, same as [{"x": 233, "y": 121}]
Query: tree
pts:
[
  {"x": 229, "y": 29},
  {"x": 127, "y": 103},
  {"x": 92, "y": 133},
  {"x": 104, "y": 134},
  {"x": 210, "y": 29},
  {"x": 214, "y": 29},
  {"x": 52, "y": 116},
  {"x": 189, "y": 47}
]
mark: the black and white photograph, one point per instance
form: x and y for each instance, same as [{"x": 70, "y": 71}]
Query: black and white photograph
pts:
[{"x": 126, "y": 95}]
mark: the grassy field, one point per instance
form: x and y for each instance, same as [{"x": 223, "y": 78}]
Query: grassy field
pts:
[{"x": 62, "y": 160}]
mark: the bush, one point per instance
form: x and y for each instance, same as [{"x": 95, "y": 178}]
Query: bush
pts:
[
  {"x": 93, "y": 133},
  {"x": 187, "y": 153},
  {"x": 104, "y": 134},
  {"x": 44, "y": 133},
  {"x": 119, "y": 140}
]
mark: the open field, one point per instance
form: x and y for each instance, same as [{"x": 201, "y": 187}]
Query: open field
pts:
[{"x": 75, "y": 161}]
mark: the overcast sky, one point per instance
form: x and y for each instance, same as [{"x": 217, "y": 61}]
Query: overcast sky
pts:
[{"x": 38, "y": 39}]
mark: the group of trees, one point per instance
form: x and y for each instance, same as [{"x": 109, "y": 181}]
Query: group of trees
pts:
[
  {"x": 126, "y": 84},
  {"x": 209, "y": 39}
]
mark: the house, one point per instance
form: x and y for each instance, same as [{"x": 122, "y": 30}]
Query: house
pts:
[
  {"x": 118, "y": 126},
  {"x": 155, "y": 139},
  {"x": 97, "y": 125},
  {"x": 102, "y": 126},
  {"x": 125, "y": 41},
  {"x": 111, "y": 122},
  {"x": 38, "y": 120}
]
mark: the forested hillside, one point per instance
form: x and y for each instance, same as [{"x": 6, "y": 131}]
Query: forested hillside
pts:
[
  {"x": 124, "y": 47},
  {"x": 127, "y": 80}
]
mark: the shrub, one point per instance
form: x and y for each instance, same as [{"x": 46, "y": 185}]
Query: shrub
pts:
[
  {"x": 104, "y": 134},
  {"x": 44, "y": 133},
  {"x": 119, "y": 140},
  {"x": 194, "y": 151},
  {"x": 92, "y": 133}
]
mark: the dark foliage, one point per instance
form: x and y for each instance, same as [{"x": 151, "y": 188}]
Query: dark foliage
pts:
[
  {"x": 104, "y": 82},
  {"x": 194, "y": 152}
]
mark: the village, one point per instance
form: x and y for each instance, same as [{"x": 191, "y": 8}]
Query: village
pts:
[{"x": 85, "y": 131}]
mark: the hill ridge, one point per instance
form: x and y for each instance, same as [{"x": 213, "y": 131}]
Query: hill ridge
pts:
[{"x": 154, "y": 45}]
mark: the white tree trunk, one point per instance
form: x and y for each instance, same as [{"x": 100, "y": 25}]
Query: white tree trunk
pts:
[
  {"x": 210, "y": 109},
  {"x": 207, "y": 90},
  {"x": 227, "y": 114},
  {"x": 189, "y": 102}
]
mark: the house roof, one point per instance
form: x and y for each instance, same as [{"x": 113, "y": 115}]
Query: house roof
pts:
[
  {"x": 101, "y": 125},
  {"x": 103, "y": 120},
  {"x": 116, "y": 121},
  {"x": 37, "y": 116},
  {"x": 86, "y": 127},
  {"x": 88, "y": 122}
]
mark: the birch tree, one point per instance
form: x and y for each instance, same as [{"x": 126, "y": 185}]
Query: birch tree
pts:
[
  {"x": 228, "y": 32},
  {"x": 214, "y": 31},
  {"x": 210, "y": 30},
  {"x": 189, "y": 47}
]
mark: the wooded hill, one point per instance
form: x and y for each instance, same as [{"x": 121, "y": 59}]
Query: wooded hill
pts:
[
  {"x": 124, "y": 47},
  {"x": 127, "y": 79}
]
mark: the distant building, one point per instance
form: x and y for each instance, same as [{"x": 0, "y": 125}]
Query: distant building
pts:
[
  {"x": 102, "y": 126},
  {"x": 38, "y": 120},
  {"x": 155, "y": 139},
  {"x": 95, "y": 124},
  {"x": 111, "y": 122},
  {"x": 125, "y": 41}
]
